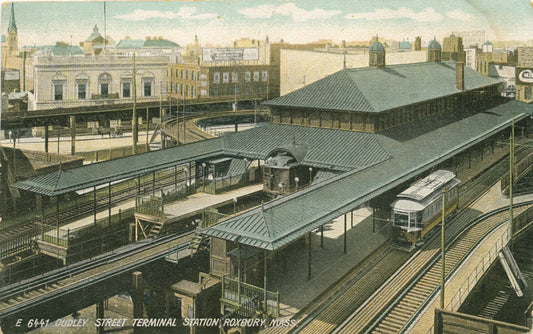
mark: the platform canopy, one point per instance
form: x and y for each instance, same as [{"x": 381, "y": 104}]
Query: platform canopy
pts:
[
  {"x": 414, "y": 149},
  {"x": 328, "y": 149}
]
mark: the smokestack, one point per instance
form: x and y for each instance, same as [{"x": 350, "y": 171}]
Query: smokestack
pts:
[{"x": 460, "y": 74}]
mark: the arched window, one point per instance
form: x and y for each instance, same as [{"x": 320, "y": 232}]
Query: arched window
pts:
[
  {"x": 58, "y": 86},
  {"x": 148, "y": 84},
  {"x": 82, "y": 85},
  {"x": 126, "y": 85},
  {"x": 104, "y": 82}
]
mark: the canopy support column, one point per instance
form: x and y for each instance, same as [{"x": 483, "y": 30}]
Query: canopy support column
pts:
[
  {"x": 153, "y": 183},
  {"x": 57, "y": 218},
  {"x": 265, "y": 278},
  {"x": 94, "y": 204},
  {"x": 344, "y": 233},
  {"x": 321, "y": 236},
  {"x": 309, "y": 257},
  {"x": 109, "y": 202},
  {"x": 351, "y": 219}
]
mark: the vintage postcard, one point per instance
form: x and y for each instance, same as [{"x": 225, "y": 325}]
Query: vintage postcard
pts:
[{"x": 279, "y": 166}]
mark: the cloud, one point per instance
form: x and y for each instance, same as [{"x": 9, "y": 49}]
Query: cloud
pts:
[
  {"x": 460, "y": 15},
  {"x": 183, "y": 13},
  {"x": 288, "y": 9},
  {"x": 427, "y": 15}
]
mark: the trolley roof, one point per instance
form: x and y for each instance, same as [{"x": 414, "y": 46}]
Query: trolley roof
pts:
[{"x": 428, "y": 185}]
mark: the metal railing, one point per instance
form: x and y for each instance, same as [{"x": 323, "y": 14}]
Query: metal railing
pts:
[
  {"x": 460, "y": 296},
  {"x": 248, "y": 298}
]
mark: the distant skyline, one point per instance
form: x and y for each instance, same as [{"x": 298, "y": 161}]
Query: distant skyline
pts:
[{"x": 223, "y": 21}]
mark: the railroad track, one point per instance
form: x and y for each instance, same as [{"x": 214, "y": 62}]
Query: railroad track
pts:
[
  {"x": 17, "y": 239},
  {"x": 26, "y": 293},
  {"x": 391, "y": 308}
]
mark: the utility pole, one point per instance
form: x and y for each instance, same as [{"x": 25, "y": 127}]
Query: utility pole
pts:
[
  {"x": 511, "y": 181},
  {"x": 161, "y": 114},
  {"x": 134, "y": 127},
  {"x": 442, "y": 251}
]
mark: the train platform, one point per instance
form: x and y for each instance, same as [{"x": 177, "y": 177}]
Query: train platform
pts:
[
  {"x": 84, "y": 143},
  {"x": 328, "y": 264},
  {"x": 193, "y": 203},
  {"x": 200, "y": 200}
]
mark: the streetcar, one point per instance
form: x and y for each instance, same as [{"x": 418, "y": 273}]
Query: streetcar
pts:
[{"x": 418, "y": 209}]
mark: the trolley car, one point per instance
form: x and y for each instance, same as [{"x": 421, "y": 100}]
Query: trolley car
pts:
[{"x": 419, "y": 208}]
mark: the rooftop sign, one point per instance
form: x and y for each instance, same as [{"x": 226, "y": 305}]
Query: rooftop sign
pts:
[{"x": 229, "y": 54}]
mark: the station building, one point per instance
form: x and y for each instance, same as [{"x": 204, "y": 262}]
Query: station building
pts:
[{"x": 353, "y": 139}]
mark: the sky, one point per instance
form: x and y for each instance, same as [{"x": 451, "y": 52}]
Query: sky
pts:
[{"x": 223, "y": 21}]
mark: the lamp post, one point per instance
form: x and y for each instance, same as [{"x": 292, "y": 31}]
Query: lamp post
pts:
[
  {"x": 296, "y": 180},
  {"x": 234, "y": 205},
  {"x": 280, "y": 185},
  {"x": 310, "y": 175}
]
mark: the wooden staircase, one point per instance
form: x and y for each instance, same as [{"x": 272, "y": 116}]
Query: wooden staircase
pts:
[
  {"x": 156, "y": 229},
  {"x": 198, "y": 242}
]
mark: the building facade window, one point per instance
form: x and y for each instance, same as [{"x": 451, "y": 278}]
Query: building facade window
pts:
[
  {"x": 226, "y": 91},
  {"x": 256, "y": 89},
  {"x": 187, "y": 75},
  {"x": 225, "y": 77},
  {"x": 256, "y": 76},
  {"x": 193, "y": 75},
  {"x": 58, "y": 91},
  {"x": 126, "y": 89},
  {"x": 527, "y": 92},
  {"x": 265, "y": 89},
  {"x": 234, "y": 77},
  {"x": 104, "y": 81},
  {"x": 216, "y": 77},
  {"x": 215, "y": 91},
  {"x": 187, "y": 91},
  {"x": 104, "y": 90},
  {"x": 82, "y": 91},
  {"x": 264, "y": 76},
  {"x": 147, "y": 88},
  {"x": 237, "y": 90},
  {"x": 247, "y": 90},
  {"x": 247, "y": 76}
]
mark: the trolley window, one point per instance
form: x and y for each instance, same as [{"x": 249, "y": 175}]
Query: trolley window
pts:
[{"x": 401, "y": 219}]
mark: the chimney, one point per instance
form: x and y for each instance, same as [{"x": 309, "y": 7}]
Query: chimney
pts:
[{"x": 460, "y": 74}]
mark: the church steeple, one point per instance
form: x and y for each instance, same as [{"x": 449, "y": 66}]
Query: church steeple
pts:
[
  {"x": 12, "y": 24},
  {"x": 12, "y": 34}
]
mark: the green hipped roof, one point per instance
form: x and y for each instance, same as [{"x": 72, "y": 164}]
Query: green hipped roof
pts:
[
  {"x": 327, "y": 148},
  {"x": 414, "y": 149},
  {"x": 160, "y": 43},
  {"x": 130, "y": 44},
  {"x": 149, "y": 43},
  {"x": 63, "y": 50},
  {"x": 365, "y": 89}
]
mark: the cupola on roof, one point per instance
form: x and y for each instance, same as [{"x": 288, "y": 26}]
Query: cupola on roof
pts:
[
  {"x": 377, "y": 47},
  {"x": 434, "y": 45}
]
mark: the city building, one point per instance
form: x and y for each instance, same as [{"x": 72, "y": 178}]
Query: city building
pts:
[
  {"x": 452, "y": 48},
  {"x": 470, "y": 57},
  {"x": 218, "y": 81},
  {"x": 471, "y": 39},
  {"x": 96, "y": 43},
  {"x": 149, "y": 46},
  {"x": 485, "y": 59},
  {"x": 75, "y": 81},
  {"x": 524, "y": 74}
]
